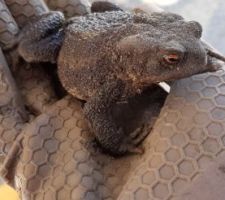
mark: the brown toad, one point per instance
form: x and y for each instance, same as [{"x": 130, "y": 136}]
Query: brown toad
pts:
[{"x": 105, "y": 58}]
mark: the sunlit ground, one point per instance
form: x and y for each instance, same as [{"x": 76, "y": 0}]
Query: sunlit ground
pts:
[{"x": 7, "y": 193}]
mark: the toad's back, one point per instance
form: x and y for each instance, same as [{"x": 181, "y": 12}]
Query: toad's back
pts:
[
  {"x": 99, "y": 22},
  {"x": 94, "y": 32}
]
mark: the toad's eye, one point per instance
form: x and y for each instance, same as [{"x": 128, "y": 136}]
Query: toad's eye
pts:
[{"x": 171, "y": 59}]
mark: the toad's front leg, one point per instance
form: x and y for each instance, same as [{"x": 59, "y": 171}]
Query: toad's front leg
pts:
[
  {"x": 41, "y": 40},
  {"x": 98, "y": 111}
]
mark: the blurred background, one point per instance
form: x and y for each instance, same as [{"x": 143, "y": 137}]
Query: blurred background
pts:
[{"x": 210, "y": 13}]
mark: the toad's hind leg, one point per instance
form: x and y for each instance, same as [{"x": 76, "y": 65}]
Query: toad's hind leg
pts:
[{"x": 41, "y": 40}]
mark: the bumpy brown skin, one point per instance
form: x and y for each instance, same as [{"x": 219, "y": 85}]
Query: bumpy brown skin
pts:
[{"x": 105, "y": 58}]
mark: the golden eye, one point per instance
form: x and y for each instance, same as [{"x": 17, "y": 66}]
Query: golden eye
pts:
[{"x": 171, "y": 59}]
